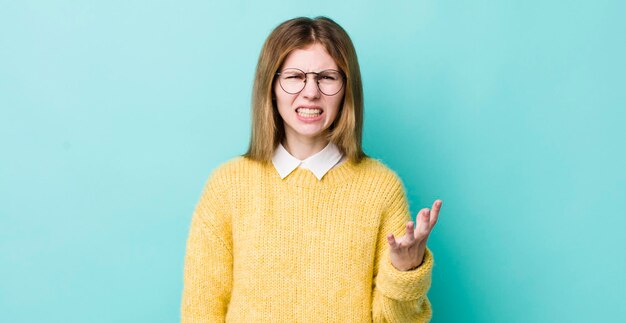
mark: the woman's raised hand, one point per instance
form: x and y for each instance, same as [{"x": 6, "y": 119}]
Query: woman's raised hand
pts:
[{"x": 408, "y": 252}]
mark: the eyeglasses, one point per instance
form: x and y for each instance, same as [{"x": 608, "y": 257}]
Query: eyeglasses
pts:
[{"x": 293, "y": 80}]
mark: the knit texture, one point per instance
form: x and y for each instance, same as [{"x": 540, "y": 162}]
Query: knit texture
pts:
[{"x": 266, "y": 249}]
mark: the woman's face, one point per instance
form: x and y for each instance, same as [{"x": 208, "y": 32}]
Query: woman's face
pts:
[{"x": 308, "y": 125}]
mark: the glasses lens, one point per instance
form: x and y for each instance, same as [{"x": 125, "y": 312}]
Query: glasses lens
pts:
[
  {"x": 330, "y": 82},
  {"x": 292, "y": 80}
]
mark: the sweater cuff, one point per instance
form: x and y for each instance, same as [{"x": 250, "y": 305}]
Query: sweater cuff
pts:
[{"x": 405, "y": 285}]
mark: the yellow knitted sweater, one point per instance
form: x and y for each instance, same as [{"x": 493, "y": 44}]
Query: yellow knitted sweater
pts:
[{"x": 266, "y": 249}]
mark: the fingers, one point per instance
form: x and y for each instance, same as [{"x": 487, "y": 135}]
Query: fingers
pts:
[
  {"x": 423, "y": 218},
  {"x": 434, "y": 214},
  {"x": 408, "y": 239},
  {"x": 427, "y": 220},
  {"x": 392, "y": 241},
  {"x": 410, "y": 231}
]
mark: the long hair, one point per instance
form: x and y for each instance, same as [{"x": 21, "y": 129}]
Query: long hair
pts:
[{"x": 268, "y": 128}]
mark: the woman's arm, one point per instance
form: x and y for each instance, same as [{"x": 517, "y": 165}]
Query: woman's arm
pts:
[
  {"x": 208, "y": 260},
  {"x": 399, "y": 296}
]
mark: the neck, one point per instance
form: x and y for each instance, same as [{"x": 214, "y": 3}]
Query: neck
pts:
[{"x": 303, "y": 148}]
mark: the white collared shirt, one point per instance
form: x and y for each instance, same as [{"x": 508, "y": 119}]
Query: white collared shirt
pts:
[{"x": 320, "y": 163}]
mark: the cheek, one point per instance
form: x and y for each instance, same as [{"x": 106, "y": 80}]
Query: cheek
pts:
[
  {"x": 282, "y": 104},
  {"x": 281, "y": 96},
  {"x": 334, "y": 113},
  {"x": 337, "y": 103}
]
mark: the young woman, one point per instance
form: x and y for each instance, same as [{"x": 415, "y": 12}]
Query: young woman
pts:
[{"x": 305, "y": 226}]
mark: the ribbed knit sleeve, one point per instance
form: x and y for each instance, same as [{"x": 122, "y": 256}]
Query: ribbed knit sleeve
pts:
[
  {"x": 208, "y": 272},
  {"x": 399, "y": 296}
]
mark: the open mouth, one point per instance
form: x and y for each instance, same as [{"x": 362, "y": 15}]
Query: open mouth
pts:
[{"x": 309, "y": 112}]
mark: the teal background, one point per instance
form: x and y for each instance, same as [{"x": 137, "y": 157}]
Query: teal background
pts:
[{"x": 113, "y": 114}]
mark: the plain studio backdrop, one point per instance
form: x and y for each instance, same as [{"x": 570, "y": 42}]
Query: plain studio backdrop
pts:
[{"x": 114, "y": 113}]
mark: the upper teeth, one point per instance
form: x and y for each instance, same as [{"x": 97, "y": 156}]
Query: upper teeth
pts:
[{"x": 307, "y": 110}]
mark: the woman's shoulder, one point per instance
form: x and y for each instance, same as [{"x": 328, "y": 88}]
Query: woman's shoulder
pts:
[
  {"x": 235, "y": 167},
  {"x": 378, "y": 167},
  {"x": 230, "y": 164},
  {"x": 385, "y": 181}
]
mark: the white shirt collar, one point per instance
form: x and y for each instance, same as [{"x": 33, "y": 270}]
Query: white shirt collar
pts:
[{"x": 320, "y": 163}]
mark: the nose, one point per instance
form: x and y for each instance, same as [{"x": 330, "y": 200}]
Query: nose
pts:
[{"x": 311, "y": 89}]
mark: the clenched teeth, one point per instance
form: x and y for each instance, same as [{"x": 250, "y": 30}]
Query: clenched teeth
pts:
[{"x": 309, "y": 112}]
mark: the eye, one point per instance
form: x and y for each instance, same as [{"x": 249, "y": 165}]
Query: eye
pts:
[
  {"x": 330, "y": 76},
  {"x": 292, "y": 76}
]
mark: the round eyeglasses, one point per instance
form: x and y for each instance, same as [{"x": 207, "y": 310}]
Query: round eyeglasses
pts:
[{"x": 293, "y": 80}]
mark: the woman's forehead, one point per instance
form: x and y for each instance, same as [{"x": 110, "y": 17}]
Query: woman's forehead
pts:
[{"x": 310, "y": 59}]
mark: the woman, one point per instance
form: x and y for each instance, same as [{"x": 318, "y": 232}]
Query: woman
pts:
[{"x": 303, "y": 226}]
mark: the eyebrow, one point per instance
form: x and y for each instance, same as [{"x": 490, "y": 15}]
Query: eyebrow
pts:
[{"x": 326, "y": 69}]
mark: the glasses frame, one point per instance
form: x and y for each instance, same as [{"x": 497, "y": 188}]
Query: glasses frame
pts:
[{"x": 317, "y": 80}]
